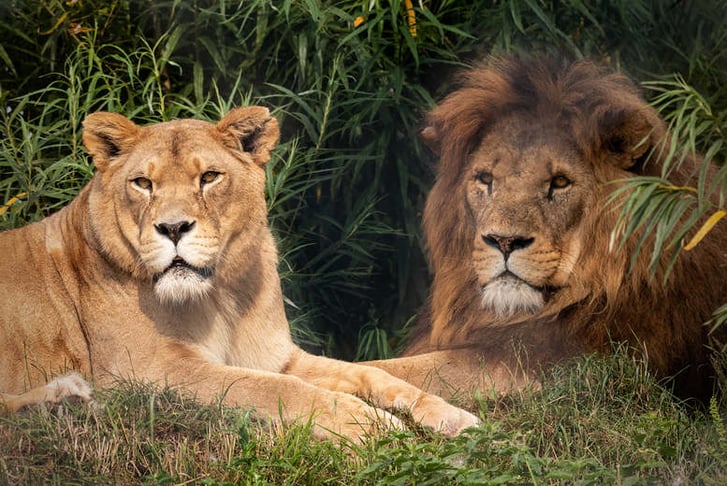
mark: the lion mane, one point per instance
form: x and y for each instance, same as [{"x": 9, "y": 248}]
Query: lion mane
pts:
[
  {"x": 163, "y": 269},
  {"x": 519, "y": 232}
]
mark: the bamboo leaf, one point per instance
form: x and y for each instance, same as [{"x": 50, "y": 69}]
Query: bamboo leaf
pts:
[{"x": 705, "y": 229}]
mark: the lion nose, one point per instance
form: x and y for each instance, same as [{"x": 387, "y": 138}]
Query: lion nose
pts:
[
  {"x": 174, "y": 231},
  {"x": 507, "y": 244}
]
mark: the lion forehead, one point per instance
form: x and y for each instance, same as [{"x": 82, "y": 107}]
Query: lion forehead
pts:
[{"x": 520, "y": 146}]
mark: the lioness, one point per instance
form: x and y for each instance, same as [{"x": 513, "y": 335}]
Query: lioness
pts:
[
  {"x": 518, "y": 227},
  {"x": 164, "y": 269}
]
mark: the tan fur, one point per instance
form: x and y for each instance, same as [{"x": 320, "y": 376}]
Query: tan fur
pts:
[
  {"x": 163, "y": 269},
  {"x": 529, "y": 152}
]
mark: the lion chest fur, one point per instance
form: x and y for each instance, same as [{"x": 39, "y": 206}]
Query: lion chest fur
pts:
[{"x": 167, "y": 247}]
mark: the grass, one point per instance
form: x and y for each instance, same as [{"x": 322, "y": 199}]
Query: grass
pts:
[{"x": 594, "y": 421}]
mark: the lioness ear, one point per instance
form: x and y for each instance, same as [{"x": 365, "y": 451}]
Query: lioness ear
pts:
[
  {"x": 250, "y": 129},
  {"x": 107, "y": 135},
  {"x": 630, "y": 136}
]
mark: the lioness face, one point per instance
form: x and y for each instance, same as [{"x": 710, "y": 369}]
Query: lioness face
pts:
[
  {"x": 180, "y": 194},
  {"x": 177, "y": 199},
  {"x": 526, "y": 193}
]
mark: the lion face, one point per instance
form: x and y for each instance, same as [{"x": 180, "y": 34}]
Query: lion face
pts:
[
  {"x": 526, "y": 190},
  {"x": 172, "y": 201}
]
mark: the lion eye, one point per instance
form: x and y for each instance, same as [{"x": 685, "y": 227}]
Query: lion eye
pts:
[
  {"x": 559, "y": 182},
  {"x": 209, "y": 177},
  {"x": 484, "y": 177},
  {"x": 142, "y": 183}
]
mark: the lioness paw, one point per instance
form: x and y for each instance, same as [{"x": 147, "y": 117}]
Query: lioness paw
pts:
[
  {"x": 352, "y": 418},
  {"x": 69, "y": 385},
  {"x": 435, "y": 413}
]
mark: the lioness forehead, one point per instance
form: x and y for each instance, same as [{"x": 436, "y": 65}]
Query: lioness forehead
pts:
[
  {"x": 177, "y": 135},
  {"x": 191, "y": 144}
]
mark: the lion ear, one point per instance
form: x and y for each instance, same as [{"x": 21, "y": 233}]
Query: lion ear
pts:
[
  {"x": 631, "y": 136},
  {"x": 250, "y": 129},
  {"x": 108, "y": 135},
  {"x": 430, "y": 136}
]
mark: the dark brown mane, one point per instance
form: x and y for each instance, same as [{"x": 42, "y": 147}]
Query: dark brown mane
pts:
[{"x": 617, "y": 135}]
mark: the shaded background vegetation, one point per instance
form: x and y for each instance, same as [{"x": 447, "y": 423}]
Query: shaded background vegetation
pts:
[{"x": 348, "y": 79}]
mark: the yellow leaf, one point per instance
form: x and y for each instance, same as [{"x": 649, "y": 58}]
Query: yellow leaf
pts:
[
  {"x": 58, "y": 23},
  {"x": 678, "y": 188},
  {"x": 411, "y": 17},
  {"x": 706, "y": 227},
  {"x": 358, "y": 21},
  {"x": 10, "y": 202}
]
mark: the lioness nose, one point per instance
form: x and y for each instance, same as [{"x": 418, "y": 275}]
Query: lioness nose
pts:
[
  {"x": 507, "y": 244},
  {"x": 174, "y": 231}
]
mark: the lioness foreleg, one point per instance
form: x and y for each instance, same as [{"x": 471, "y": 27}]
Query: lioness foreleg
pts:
[{"x": 274, "y": 396}]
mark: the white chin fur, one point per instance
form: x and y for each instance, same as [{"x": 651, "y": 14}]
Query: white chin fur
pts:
[
  {"x": 507, "y": 297},
  {"x": 177, "y": 286}
]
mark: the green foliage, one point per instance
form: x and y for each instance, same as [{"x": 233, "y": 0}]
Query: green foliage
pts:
[
  {"x": 348, "y": 79},
  {"x": 679, "y": 217}
]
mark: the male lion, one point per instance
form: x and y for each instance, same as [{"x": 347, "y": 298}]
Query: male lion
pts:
[
  {"x": 164, "y": 269},
  {"x": 518, "y": 230}
]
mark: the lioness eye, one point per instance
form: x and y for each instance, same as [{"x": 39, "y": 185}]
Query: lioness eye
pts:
[
  {"x": 142, "y": 183},
  {"x": 209, "y": 177}
]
